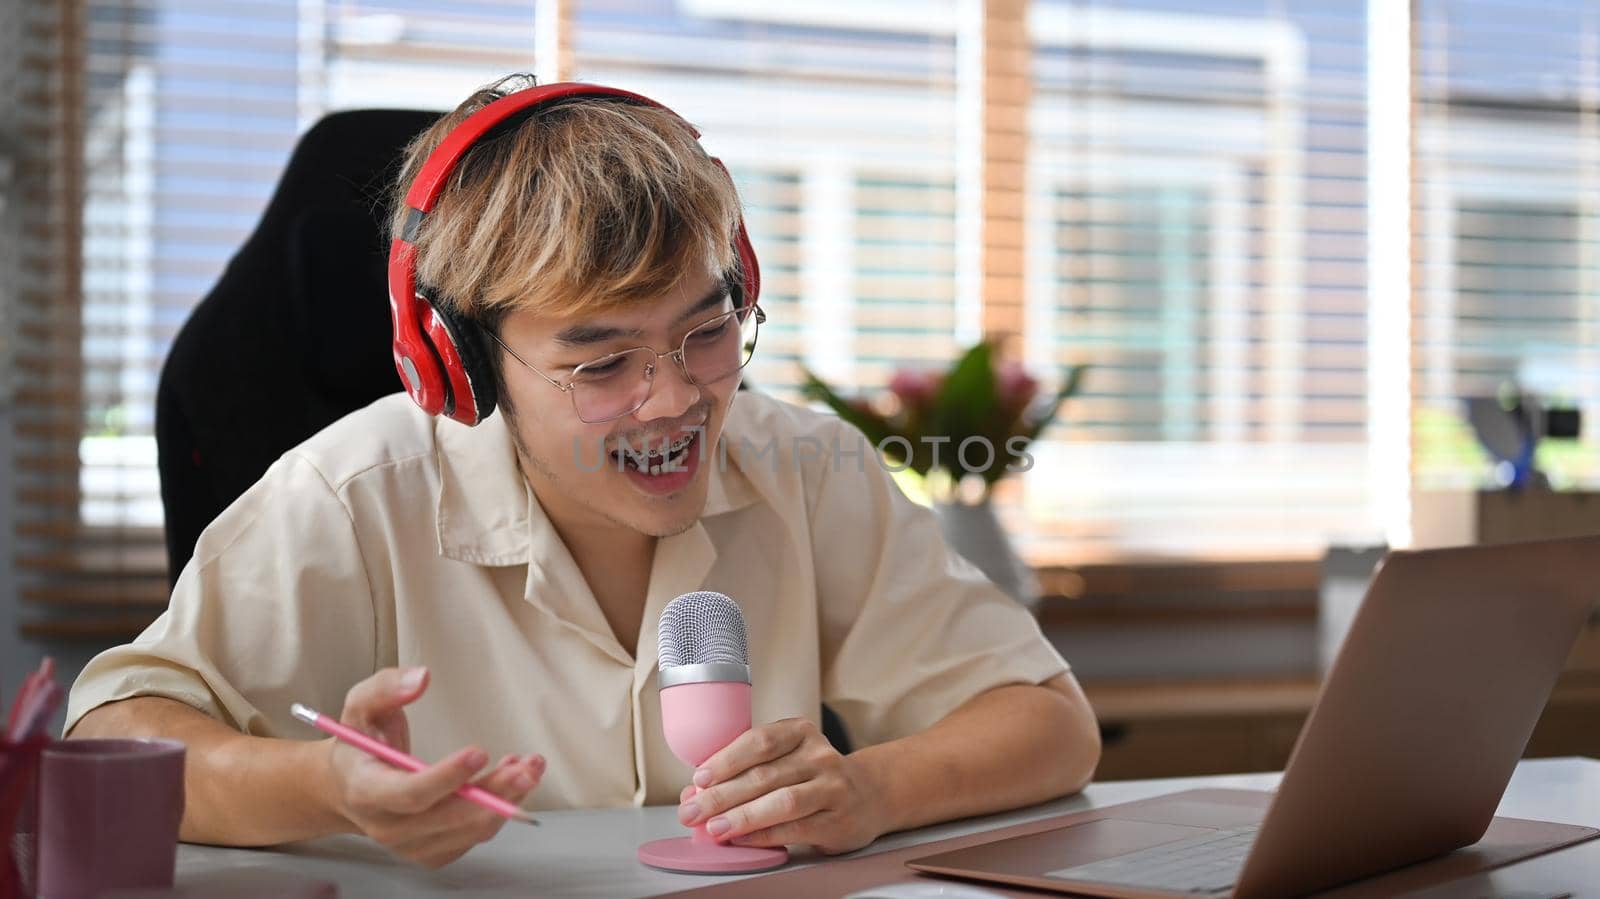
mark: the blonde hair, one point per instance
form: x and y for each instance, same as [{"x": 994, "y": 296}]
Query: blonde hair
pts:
[{"x": 589, "y": 205}]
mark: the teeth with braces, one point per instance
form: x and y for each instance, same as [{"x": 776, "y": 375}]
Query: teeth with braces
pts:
[{"x": 676, "y": 447}]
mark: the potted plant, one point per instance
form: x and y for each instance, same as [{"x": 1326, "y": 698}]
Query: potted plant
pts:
[{"x": 962, "y": 430}]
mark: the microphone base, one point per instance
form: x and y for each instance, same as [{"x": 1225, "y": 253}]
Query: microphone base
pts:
[{"x": 684, "y": 855}]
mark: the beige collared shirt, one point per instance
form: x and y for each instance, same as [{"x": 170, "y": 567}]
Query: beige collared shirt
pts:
[{"x": 392, "y": 538}]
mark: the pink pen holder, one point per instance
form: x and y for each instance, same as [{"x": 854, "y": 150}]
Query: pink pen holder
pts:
[
  {"x": 19, "y": 791},
  {"x": 109, "y": 812}
]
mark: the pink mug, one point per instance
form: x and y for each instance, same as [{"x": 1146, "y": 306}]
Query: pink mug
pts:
[{"x": 109, "y": 812}]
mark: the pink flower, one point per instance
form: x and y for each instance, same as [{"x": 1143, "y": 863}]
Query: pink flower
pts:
[
  {"x": 1014, "y": 386},
  {"x": 916, "y": 389}
]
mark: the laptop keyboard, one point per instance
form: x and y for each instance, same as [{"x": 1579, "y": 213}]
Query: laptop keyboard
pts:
[{"x": 1209, "y": 863}]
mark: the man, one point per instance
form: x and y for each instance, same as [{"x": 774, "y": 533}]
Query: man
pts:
[{"x": 499, "y": 585}]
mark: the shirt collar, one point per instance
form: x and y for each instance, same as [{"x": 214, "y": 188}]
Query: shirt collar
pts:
[
  {"x": 486, "y": 510},
  {"x": 483, "y": 498}
]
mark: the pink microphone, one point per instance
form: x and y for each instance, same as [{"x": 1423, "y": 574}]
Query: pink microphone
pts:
[{"x": 705, "y": 703}]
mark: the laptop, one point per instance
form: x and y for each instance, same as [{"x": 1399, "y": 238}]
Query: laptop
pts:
[{"x": 1413, "y": 738}]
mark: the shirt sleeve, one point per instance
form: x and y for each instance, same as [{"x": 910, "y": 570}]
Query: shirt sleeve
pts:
[
  {"x": 910, "y": 630},
  {"x": 274, "y": 608}
]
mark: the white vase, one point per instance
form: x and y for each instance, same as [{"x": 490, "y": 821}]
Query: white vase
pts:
[{"x": 974, "y": 531}]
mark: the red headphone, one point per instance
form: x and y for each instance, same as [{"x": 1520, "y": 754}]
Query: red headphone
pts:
[{"x": 443, "y": 356}]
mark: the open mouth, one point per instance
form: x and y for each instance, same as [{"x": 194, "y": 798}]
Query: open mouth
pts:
[{"x": 664, "y": 458}]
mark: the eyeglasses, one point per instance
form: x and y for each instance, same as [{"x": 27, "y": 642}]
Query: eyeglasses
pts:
[{"x": 617, "y": 384}]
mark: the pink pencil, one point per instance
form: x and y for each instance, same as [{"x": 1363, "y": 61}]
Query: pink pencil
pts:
[{"x": 400, "y": 760}]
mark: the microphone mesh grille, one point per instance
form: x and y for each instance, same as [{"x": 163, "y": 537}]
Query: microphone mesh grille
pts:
[{"x": 699, "y": 629}]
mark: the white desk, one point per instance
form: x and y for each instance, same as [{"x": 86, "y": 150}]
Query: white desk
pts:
[{"x": 591, "y": 853}]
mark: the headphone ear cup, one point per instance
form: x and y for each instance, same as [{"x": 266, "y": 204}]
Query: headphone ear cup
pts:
[
  {"x": 749, "y": 268},
  {"x": 462, "y": 346},
  {"x": 415, "y": 359}
]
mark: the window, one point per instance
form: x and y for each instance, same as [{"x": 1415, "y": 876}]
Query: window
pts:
[
  {"x": 1197, "y": 235},
  {"x": 1195, "y": 210},
  {"x": 905, "y": 274},
  {"x": 1506, "y": 216}
]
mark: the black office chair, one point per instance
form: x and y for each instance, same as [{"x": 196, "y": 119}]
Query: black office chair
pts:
[{"x": 295, "y": 335}]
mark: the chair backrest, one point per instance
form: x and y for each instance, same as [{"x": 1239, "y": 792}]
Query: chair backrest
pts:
[{"x": 294, "y": 335}]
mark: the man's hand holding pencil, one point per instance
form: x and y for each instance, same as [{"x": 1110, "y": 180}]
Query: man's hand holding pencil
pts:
[{"x": 417, "y": 814}]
